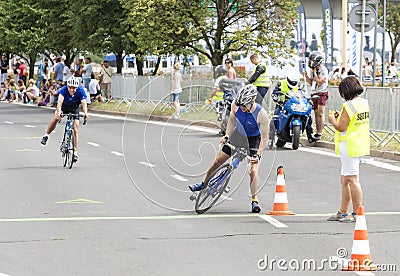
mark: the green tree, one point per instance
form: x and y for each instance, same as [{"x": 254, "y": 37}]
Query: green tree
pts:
[
  {"x": 102, "y": 27},
  {"x": 392, "y": 25},
  {"x": 21, "y": 29},
  {"x": 214, "y": 28}
]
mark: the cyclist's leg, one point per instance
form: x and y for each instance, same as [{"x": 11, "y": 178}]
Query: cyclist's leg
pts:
[
  {"x": 218, "y": 161},
  {"x": 254, "y": 143}
]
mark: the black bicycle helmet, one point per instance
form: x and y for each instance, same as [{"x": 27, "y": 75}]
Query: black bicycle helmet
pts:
[
  {"x": 246, "y": 95},
  {"x": 314, "y": 60}
]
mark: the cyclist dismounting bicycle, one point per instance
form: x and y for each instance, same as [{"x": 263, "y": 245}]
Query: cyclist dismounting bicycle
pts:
[
  {"x": 247, "y": 127},
  {"x": 70, "y": 98}
]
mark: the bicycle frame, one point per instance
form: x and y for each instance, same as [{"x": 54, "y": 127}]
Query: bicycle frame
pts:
[{"x": 234, "y": 161}]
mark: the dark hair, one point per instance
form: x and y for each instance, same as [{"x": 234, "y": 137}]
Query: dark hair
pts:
[
  {"x": 229, "y": 60},
  {"x": 349, "y": 88}
]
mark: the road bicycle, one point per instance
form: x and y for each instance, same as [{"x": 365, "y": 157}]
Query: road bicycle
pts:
[
  {"x": 67, "y": 144},
  {"x": 218, "y": 182}
]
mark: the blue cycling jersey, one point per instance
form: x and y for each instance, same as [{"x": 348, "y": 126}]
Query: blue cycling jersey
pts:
[
  {"x": 72, "y": 101},
  {"x": 246, "y": 122}
]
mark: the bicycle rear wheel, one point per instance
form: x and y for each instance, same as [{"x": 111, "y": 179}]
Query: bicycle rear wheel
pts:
[{"x": 213, "y": 190}]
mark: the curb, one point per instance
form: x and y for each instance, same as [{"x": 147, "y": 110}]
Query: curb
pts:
[{"x": 392, "y": 155}]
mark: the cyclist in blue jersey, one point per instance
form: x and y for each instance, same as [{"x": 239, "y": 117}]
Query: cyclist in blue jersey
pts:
[
  {"x": 70, "y": 98},
  {"x": 248, "y": 128}
]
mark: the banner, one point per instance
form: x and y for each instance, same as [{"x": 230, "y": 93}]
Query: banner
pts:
[
  {"x": 353, "y": 49},
  {"x": 328, "y": 31},
  {"x": 301, "y": 36}
]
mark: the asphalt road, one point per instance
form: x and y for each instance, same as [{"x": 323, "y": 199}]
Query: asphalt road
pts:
[{"x": 124, "y": 209}]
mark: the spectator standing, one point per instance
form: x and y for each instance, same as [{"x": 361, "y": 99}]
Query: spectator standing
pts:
[
  {"x": 15, "y": 67},
  {"x": 41, "y": 77},
  {"x": 319, "y": 84},
  {"x": 351, "y": 141},
  {"x": 260, "y": 78},
  {"x": 87, "y": 72},
  {"x": 105, "y": 77},
  {"x": 77, "y": 66},
  {"x": 59, "y": 69},
  {"x": 23, "y": 71},
  {"x": 4, "y": 68},
  {"x": 67, "y": 72},
  {"x": 231, "y": 73},
  {"x": 176, "y": 89}
]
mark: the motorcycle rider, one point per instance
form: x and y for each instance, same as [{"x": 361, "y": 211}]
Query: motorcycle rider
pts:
[
  {"x": 218, "y": 93},
  {"x": 290, "y": 83}
]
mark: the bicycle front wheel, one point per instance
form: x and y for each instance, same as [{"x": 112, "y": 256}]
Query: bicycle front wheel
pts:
[
  {"x": 70, "y": 146},
  {"x": 214, "y": 188}
]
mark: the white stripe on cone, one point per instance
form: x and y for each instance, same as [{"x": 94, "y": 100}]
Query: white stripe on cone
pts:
[
  {"x": 360, "y": 247},
  {"x": 280, "y": 180},
  {"x": 280, "y": 198},
  {"x": 361, "y": 223}
]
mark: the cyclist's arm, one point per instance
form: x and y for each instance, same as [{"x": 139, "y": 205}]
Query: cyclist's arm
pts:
[
  {"x": 84, "y": 107},
  {"x": 263, "y": 121},
  {"x": 59, "y": 103}
]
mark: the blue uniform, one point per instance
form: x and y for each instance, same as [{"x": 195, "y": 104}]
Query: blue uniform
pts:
[
  {"x": 247, "y": 132},
  {"x": 72, "y": 102},
  {"x": 246, "y": 122}
]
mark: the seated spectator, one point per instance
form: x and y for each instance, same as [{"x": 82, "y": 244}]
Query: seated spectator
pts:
[
  {"x": 53, "y": 91},
  {"x": 94, "y": 90},
  {"x": 20, "y": 89},
  {"x": 45, "y": 93},
  {"x": 32, "y": 92}
]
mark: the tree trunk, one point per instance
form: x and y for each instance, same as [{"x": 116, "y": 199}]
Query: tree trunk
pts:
[
  {"x": 156, "y": 69},
  {"x": 139, "y": 67},
  {"x": 120, "y": 59},
  {"x": 31, "y": 67}
]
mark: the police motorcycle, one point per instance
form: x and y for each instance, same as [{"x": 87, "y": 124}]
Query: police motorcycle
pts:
[{"x": 291, "y": 118}]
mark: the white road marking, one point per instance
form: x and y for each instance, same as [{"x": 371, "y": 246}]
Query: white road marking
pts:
[
  {"x": 369, "y": 161},
  {"x": 273, "y": 221},
  {"x": 147, "y": 164},
  {"x": 226, "y": 197},
  {"x": 93, "y": 144},
  {"x": 117, "y": 153},
  {"x": 31, "y": 126},
  {"x": 8, "y": 122},
  {"x": 178, "y": 177}
]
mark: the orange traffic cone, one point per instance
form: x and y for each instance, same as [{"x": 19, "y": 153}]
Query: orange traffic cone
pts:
[
  {"x": 360, "y": 253},
  {"x": 281, "y": 205}
]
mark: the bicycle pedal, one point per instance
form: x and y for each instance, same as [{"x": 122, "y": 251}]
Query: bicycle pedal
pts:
[
  {"x": 227, "y": 189},
  {"x": 193, "y": 196}
]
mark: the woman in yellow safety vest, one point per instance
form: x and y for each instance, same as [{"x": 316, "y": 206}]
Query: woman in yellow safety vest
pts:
[{"x": 351, "y": 142}]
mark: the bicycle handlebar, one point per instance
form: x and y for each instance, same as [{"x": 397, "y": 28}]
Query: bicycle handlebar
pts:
[{"x": 73, "y": 115}]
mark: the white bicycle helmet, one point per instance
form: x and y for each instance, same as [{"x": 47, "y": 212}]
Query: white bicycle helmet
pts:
[
  {"x": 246, "y": 95},
  {"x": 73, "y": 82},
  {"x": 292, "y": 78}
]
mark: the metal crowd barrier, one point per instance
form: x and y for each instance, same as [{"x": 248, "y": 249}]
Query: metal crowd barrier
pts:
[{"x": 155, "y": 90}]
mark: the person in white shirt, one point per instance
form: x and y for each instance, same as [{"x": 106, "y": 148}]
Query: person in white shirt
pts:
[
  {"x": 32, "y": 92},
  {"x": 67, "y": 72},
  {"x": 94, "y": 90}
]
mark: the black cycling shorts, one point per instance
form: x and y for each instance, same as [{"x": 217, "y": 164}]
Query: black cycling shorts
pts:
[
  {"x": 73, "y": 110},
  {"x": 250, "y": 143}
]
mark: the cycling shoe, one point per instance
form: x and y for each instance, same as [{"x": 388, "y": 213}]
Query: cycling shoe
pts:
[
  {"x": 196, "y": 187},
  {"x": 255, "y": 208}
]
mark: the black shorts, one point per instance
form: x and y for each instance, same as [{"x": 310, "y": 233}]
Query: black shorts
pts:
[
  {"x": 250, "y": 143},
  {"x": 73, "y": 110}
]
